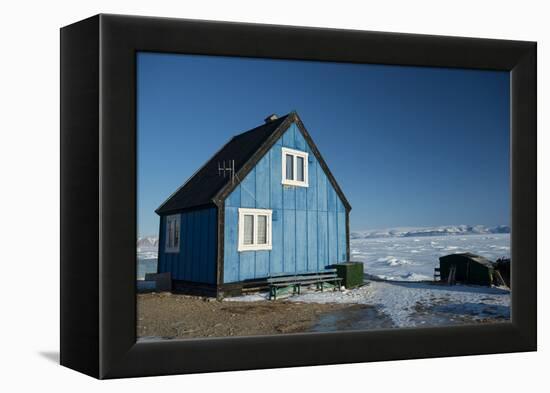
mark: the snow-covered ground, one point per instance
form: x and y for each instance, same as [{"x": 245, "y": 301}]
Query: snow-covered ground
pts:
[
  {"x": 410, "y": 304},
  {"x": 408, "y": 258},
  {"x": 395, "y": 259},
  {"x": 399, "y": 258},
  {"x": 407, "y": 304}
]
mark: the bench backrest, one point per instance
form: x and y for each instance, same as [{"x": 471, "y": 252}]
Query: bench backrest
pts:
[{"x": 329, "y": 273}]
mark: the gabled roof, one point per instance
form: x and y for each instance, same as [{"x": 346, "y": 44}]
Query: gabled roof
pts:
[
  {"x": 204, "y": 184},
  {"x": 207, "y": 187}
]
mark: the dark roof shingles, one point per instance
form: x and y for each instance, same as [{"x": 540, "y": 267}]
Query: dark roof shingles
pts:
[{"x": 206, "y": 183}]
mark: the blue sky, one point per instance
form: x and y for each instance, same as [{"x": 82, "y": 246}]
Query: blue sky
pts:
[{"x": 410, "y": 146}]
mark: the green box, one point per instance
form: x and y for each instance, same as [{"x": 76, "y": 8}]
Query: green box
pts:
[{"x": 351, "y": 273}]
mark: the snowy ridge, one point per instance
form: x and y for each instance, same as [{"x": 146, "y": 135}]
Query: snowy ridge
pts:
[
  {"x": 147, "y": 247},
  {"x": 448, "y": 230}
]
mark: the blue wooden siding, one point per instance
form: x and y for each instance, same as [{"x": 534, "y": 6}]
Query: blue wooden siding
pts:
[
  {"x": 196, "y": 259},
  {"x": 308, "y": 227}
]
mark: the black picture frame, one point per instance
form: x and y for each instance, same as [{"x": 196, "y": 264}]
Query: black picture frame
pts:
[{"x": 98, "y": 196}]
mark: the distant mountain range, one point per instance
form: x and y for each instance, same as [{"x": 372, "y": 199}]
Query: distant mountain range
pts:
[
  {"x": 447, "y": 230},
  {"x": 147, "y": 244}
]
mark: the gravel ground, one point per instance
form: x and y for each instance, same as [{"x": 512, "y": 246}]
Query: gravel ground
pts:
[
  {"x": 376, "y": 305},
  {"x": 165, "y": 315}
]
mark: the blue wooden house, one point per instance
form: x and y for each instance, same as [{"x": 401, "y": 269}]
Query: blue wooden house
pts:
[{"x": 265, "y": 204}]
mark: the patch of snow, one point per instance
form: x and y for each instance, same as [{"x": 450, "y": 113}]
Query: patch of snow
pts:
[
  {"x": 400, "y": 300},
  {"x": 393, "y": 261},
  {"x": 254, "y": 297}
]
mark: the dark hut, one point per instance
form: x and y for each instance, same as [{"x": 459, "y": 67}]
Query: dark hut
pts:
[
  {"x": 468, "y": 268},
  {"x": 502, "y": 266}
]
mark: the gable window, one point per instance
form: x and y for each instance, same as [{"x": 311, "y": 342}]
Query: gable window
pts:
[
  {"x": 172, "y": 233},
  {"x": 294, "y": 167},
  {"x": 254, "y": 229}
]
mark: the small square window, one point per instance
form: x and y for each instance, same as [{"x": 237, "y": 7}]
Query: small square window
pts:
[
  {"x": 254, "y": 229},
  {"x": 295, "y": 168}
]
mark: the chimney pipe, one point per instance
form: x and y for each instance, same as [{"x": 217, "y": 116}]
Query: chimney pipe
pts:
[{"x": 271, "y": 118}]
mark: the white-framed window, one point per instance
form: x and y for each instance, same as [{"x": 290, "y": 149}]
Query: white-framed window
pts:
[
  {"x": 294, "y": 169},
  {"x": 254, "y": 229},
  {"x": 172, "y": 233}
]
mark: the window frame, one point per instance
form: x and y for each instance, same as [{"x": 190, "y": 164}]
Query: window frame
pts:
[
  {"x": 295, "y": 154},
  {"x": 175, "y": 248},
  {"x": 255, "y": 213}
]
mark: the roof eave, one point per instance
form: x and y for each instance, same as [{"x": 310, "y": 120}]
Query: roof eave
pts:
[
  {"x": 159, "y": 209},
  {"x": 211, "y": 203}
]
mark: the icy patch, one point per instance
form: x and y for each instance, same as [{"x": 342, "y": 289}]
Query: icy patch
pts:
[
  {"x": 147, "y": 255},
  {"x": 393, "y": 261},
  {"x": 410, "y": 276},
  {"x": 146, "y": 265},
  {"x": 400, "y": 300}
]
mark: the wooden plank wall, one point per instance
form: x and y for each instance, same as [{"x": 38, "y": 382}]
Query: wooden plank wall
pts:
[
  {"x": 196, "y": 260},
  {"x": 309, "y": 224}
]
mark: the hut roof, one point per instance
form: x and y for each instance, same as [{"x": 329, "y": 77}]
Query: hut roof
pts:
[
  {"x": 472, "y": 257},
  {"x": 206, "y": 186}
]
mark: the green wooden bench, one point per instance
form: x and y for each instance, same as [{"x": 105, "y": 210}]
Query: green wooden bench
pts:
[{"x": 279, "y": 285}]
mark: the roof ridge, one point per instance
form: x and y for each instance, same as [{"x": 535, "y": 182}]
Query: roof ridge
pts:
[{"x": 282, "y": 118}]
